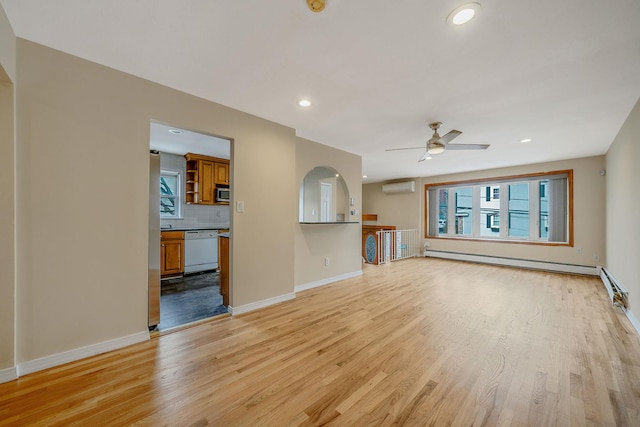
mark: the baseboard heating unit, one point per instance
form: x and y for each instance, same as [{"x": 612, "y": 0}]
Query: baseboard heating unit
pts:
[
  {"x": 617, "y": 294},
  {"x": 515, "y": 262}
]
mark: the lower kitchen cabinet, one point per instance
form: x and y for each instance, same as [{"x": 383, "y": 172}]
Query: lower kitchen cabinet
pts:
[
  {"x": 223, "y": 267},
  {"x": 171, "y": 253}
]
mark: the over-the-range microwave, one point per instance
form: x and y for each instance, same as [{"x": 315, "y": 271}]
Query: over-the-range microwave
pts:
[{"x": 223, "y": 194}]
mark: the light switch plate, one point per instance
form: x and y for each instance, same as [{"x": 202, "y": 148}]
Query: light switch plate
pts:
[{"x": 240, "y": 206}]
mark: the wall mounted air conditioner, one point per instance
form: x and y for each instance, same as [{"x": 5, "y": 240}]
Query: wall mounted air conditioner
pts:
[{"x": 399, "y": 187}]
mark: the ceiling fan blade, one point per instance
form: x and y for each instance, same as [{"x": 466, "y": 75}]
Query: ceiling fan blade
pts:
[
  {"x": 467, "y": 146},
  {"x": 406, "y": 148},
  {"x": 424, "y": 157},
  {"x": 444, "y": 139}
]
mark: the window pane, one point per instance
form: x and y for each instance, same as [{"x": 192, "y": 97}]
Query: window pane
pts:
[
  {"x": 464, "y": 204},
  {"x": 519, "y": 210},
  {"x": 443, "y": 211},
  {"x": 169, "y": 195},
  {"x": 167, "y": 207},
  {"x": 544, "y": 209},
  {"x": 168, "y": 185},
  {"x": 490, "y": 210}
]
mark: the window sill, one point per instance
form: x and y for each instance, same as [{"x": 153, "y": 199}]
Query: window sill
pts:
[{"x": 513, "y": 241}]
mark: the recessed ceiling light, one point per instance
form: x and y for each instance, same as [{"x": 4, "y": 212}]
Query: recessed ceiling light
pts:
[
  {"x": 524, "y": 141},
  {"x": 304, "y": 103},
  {"x": 316, "y": 5},
  {"x": 364, "y": 176},
  {"x": 175, "y": 131},
  {"x": 463, "y": 14}
]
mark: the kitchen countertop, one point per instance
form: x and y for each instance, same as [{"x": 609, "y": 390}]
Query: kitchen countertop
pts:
[{"x": 194, "y": 228}]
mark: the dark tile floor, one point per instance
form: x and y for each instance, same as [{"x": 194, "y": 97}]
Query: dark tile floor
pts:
[{"x": 190, "y": 298}]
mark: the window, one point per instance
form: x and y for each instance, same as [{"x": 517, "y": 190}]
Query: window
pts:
[
  {"x": 535, "y": 208},
  {"x": 169, "y": 194},
  {"x": 544, "y": 210},
  {"x": 490, "y": 211},
  {"x": 464, "y": 219},
  {"x": 444, "y": 210},
  {"x": 519, "y": 209}
]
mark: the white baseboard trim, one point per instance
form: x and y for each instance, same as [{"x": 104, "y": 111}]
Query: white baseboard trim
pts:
[
  {"x": 609, "y": 282},
  {"x": 634, "y": 321},
  {"x": 80, "y": 353},
  {"x": 8, "y": 374},
  {"x": 318, "y": 283},
  {"x": 261, "y": 304},
  {"x": 515, "y": 262}
]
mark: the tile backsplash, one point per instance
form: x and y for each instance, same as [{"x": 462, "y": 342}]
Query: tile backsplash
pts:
[{"x": 192, "y": 215}]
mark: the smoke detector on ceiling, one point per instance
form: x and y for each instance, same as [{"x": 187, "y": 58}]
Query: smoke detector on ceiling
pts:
[{"x": 316, "y": 5}]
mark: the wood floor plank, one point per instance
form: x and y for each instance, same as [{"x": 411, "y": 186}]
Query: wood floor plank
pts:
[{"x": 416, "y": 342}]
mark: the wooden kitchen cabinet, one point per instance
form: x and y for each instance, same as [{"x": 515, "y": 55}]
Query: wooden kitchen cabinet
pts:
[
  {"x": 171, "y": 253},
  {"x": 207, "y": 187},
  {"x": 223, "y": 267},
  {"x": 202, "y": 175},
  {"x": 221, "y": 175},
  {"x": 191, "y": 183}
]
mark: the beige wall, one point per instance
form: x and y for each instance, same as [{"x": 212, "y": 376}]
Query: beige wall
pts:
[
  {"x": 7, "y": 194},
  {"x": 403, "y": 210},
  {"x": 589, "y": 214},
  {"x": 7, "y": 46},
  {"x": 83, "y": 224},
  {"x": 341, "y": 243},
  {"x": 623, "y": 208},
  {"x": 7, "y": 223}
]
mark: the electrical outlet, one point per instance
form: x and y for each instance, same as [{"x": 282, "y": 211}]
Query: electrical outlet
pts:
[
  {"x": 596, "y": 257},
  {"x": 326, "y": 262},
  {"x": 579, "y": 250}
]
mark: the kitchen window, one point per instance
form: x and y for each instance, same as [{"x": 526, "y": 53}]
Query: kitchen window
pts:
[
  {"x": 536, "y": 208},
  {"x": 170, "y": 194}
]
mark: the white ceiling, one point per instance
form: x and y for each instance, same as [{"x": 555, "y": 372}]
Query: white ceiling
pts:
[
  {"x": 563, "y": 72},
  {"x": 164, "y": 138}
]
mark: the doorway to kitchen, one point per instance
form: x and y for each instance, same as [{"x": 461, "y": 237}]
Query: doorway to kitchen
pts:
[
  {"x": 186, "y": 217},
  {"x": 190, "y": 298}
]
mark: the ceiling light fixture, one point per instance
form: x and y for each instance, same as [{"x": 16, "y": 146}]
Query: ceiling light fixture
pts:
[
  {"x": 524, "y": 141},
  {"x": 304, "y": 103},
  {"x": 463, "y": 14},
  {"x": 435, "y": 148},
  {"x": 364, "y": 176},
  {"x": 175, "y": 131},
  {"x": 428, "y": 158},
  {"x": 316, "y": 5}
]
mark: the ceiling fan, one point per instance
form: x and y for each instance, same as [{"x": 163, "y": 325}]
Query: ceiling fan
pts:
[{"x": 437, "y": 144}]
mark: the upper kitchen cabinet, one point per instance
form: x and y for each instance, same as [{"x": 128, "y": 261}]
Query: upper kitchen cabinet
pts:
[
  {"x": 221, "y": 175},
  {"x": 205, "y": 178},
  {"x": 202, "y": 176}
]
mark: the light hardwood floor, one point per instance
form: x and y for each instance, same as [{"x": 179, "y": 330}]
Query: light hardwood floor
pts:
[{"x": 417, "y": 342}]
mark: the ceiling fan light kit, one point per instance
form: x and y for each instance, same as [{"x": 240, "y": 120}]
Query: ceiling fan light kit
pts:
[
  {"x": 435, "y": 148},
  {"x": 437, "y": 144},
  {"x": 316, "y": 5}
]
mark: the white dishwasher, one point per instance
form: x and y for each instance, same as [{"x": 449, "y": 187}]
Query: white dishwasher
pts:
[{"x": 200, "y": 250}]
